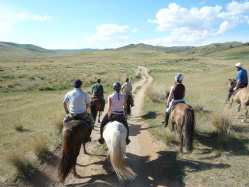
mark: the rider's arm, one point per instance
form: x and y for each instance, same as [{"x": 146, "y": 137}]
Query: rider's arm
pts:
[
  {"x": 238, "y": 84},
  {"x": 87, "y": 105},
  {"x": 125, "y": 105},
  {"x": 170, "y": 96},
  {"x": 65, "y": 107},
  {"x": 109, "y": 107}
]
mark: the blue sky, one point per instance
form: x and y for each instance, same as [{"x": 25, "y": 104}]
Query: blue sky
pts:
[{"x": 76, "y": 24}]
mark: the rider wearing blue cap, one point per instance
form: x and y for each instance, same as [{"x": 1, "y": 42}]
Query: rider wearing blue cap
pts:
[{"x": 79, "y": 102}]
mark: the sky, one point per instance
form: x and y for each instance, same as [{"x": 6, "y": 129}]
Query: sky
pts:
[{"x": 78, "y": 24}]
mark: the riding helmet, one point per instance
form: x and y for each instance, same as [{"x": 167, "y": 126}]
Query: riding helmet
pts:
[
  {"x": 179, "y": 77},
  {"x": 117, "y": 86},
  {"x": 240, "y": 65},
  {"x": 98, "y": 80}
]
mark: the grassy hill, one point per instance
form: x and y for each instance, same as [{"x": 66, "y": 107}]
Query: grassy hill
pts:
[{"x": 10, "y": 48}]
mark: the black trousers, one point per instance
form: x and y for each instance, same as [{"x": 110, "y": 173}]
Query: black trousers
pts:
[{"x": 105, "y": 120}]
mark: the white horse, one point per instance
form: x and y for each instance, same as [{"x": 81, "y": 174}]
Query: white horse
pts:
[{"x": 115, "y": 138}]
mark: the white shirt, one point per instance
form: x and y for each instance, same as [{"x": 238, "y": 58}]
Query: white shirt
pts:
[
  {"x": 127, "y": 88},
  {"x": 117, "y": 104},
  {"x": 78, "y": 100}
]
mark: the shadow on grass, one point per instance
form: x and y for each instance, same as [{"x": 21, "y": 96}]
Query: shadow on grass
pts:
[
  {"x": 150, "y": 115},
  {"x": 233, "y": 145}
]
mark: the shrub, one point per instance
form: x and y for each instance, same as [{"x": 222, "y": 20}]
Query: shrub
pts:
[{"x": 169, "y": 137}]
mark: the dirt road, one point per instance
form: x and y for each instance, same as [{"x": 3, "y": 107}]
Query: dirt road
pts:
[{"x": 142, "y": 154}]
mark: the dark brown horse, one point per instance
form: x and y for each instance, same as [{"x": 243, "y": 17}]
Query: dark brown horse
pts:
[
  {"x": 129, "y": 102},
  {"x": 96, "y": 107},
  {"x": 74, "y": 134}
]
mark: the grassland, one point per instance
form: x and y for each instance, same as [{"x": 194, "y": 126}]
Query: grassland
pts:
[{"x": 33, "y": 86}]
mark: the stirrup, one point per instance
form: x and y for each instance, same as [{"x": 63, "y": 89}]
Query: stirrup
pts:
[{"x": 101, "y": 140}]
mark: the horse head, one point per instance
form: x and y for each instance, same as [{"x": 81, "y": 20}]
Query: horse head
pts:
[{"x": 231, "y": 83}]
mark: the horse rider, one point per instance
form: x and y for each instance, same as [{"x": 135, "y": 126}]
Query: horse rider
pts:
[
  {"x": 242, "y": 77},
  {"x": 176, "y": 95},
  {"x": 98, "y": 91},
  {"x": 127, "y": 90},
  {"x": 79, "y": 102},
  {"x": 116, "y": 106},
  {"x": 241, "y": 80}
]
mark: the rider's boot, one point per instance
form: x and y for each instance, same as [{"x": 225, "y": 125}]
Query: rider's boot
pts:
[{"x": 166, "y": 119}]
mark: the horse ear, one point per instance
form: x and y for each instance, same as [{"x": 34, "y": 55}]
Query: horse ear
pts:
[{"x": 230, "y": 80}]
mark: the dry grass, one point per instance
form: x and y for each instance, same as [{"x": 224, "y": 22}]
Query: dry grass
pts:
[
  {"x": 22, "y": 165},
  {"x": 19, "y": 127},
  {"x": 156, "y": 92},
  {"x": 41, "y": 149},
  {"x": 169, "y": 137}
]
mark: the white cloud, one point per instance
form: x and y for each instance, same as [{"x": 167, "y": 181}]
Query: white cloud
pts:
[
  {"x": 9, "y": 17},
  {"x": 238, "y": 8},
  {"x": 109, "y": 33},
  {"x": 189, "y": 26}
]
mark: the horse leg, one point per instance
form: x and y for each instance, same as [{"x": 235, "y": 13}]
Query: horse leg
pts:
[
  {"x": 246, "y": 112},
  {"x": 76, "y": 154},
  {"x": 84, "y": 147},
  {"x": 99, "y": 118},
  {"x": 181, "y": 138},
  {"x": 239, "y": 107}
]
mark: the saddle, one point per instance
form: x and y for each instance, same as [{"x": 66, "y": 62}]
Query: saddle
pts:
[
  {"x": 95, "y": 98},
  {"x": 174, "y": 105},
  {"x": 115, "y": 118}
]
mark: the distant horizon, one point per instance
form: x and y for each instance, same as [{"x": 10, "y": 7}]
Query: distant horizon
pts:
[
  {"x": 111, "y": 24},
  {"x": 123, "y": 46}
]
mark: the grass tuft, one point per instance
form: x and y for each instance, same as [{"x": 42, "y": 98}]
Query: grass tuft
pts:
[
  {"x": 156, "y": 92},
  {"x": 23, "y": 166},
  {"x": 222, "y": 125},
  {"x": 19, "y": 127},
  {"x": 169, "y": 137},
  {"x": 41, "y": 150}
]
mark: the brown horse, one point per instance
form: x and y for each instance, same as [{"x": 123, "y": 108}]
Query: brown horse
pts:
[
  {"x": 129, "y": 102},
  {"x": 242, "y": 98},
  {"x": 75, "y": 133},
  {"x": 96, "y": 107},
  {"x": 183, "y": 117}
]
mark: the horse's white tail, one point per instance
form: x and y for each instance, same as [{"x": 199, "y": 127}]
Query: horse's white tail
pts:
[{"x": 115, "y": 137}]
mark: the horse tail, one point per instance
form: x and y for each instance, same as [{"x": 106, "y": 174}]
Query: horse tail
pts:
[
  {"x": 116, "y": 142},
  {"x": 93, "y": 109},
  {"x": 189, "y": 123},
  {"x": 66, "y": 162}
]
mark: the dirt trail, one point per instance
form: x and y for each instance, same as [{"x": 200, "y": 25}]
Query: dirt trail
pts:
[{"x": 143, "y": 154}]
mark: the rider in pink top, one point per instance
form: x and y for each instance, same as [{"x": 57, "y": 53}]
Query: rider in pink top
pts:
[{"x": 116, "y": 106}]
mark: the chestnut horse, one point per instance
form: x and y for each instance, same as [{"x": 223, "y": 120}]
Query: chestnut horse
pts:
[
  {"x": 241, "y": 97},
  {"x": 183, "y": 117},
  {"x": 74, "y": 134},
  {"x": 114, "y": 134},
  {"x": 96, "y": 107}
]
